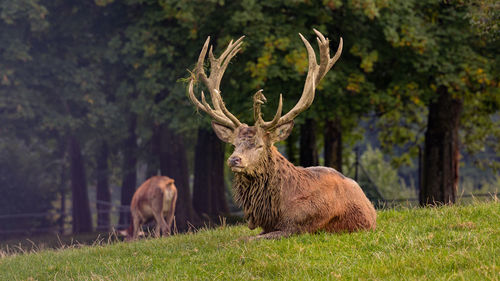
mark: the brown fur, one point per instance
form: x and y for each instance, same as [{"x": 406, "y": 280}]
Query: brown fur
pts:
[
  {"x": 284, "y": 199},
  {"x": 154, "y": 199}
]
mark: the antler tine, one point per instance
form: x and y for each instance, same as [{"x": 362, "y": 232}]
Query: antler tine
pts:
[
  {"x": 231, "y": 47},
  {"x": 258, "y": 100},
  {"x": 199, "y": 71},
  {"x": 231, "y": 52},
  {"x": 314, "y": 75},
  {"x": 217, "y": 67},
  {"x": 225, "y": 110},
  {"x": 206, "y": 107},
  {"x": 271, "y": 124},
  {"x": 324, "y": 49},
  {"x": 307, "y": 96},
  {"x": 337, "y": 53}
]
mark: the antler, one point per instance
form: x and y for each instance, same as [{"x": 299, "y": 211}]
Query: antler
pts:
[
  {"x": 217, "y": 67},
  {"x": 314, "y": 75}
]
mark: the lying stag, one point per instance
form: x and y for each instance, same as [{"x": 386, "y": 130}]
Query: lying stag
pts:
[
  {"x": 154, "y": 199},
  {"x": 275, "y": 195}
]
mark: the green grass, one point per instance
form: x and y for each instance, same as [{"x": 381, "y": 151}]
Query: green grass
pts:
[{"x": 459, "y": 242}]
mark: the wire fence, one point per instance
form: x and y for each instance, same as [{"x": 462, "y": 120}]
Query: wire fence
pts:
[
  {"x": 115, "y": 210},
  {"x": 61, "y": 222}
]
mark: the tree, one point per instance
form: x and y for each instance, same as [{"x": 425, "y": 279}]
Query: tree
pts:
[
  {"x": 450, "y": 67},
  {"x": 103, "y": 193},
  {"x": 40, "y": 84},
  {"x": 208, "y": 186},
  {"x": 308, "y": 150},
  {"x": 333, "y": 144},
  {"x": 173, "y": 162},
  {"x": 80, "y": 201}
]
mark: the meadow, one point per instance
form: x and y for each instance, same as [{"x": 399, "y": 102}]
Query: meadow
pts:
[{"x": 460, "y": 242}]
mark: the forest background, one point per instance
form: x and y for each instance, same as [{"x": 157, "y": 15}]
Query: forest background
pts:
[{"x": 93, "y": 101}]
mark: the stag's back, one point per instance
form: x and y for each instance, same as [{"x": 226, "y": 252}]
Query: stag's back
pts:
[
  {"x": 325, "y": 199},
  {"x": 157, "y": 192}
]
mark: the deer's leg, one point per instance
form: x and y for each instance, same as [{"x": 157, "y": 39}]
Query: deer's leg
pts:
[
  {"x": 157, "y": 206},
  {"x": 170, "y": 215},
  {"x": 160, "y": 223},
  {"x": 166, "y": 227},
  {"x": 136, "y": 221}
]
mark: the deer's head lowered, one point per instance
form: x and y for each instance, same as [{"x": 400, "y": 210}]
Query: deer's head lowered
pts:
[{"x": 252, "y": 144}]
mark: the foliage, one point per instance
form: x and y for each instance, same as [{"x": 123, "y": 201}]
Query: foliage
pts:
[
  {"x": 449, "y": 242},
  {"x": 437, "y": 43},
  {"x": 383, "y": 175},
  {"x": 485, "y": 17},
  {"x": 85, "y": 73}
]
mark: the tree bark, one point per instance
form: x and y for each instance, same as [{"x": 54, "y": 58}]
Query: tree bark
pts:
[
  {"x": 82, "y": 221},
  {"x": 308, "y": 151},
  {"x": 440, "y": 167},
  {"x": 129, "y": 180},
  {"x": 173, "y": 163},
  {"x": 208, "y": 187},
  {"x": 154, "y": 161},
  {"x": 291, "y": 148},
  {"x": 62, "y": 190},
  {"x": 103, "y": 195},
  {"x": 62, "y": 184},
  {"x": 202, "y": 184},
  {"x": 333, "y": 144},
  {"x": 219, "y": 202}
]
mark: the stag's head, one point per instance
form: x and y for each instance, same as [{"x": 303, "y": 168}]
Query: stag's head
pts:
[{"x": 252, "y": 144}]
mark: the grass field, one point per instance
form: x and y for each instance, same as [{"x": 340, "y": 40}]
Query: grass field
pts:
[{"x": 457, "y": 243}]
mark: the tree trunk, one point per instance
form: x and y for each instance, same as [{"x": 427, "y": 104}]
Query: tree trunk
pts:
[
  {"x": 208, "y": 187},
  {"x": 440, "y": 167},
  {"x": 202, "y": 184},
  {"x": 291, "y": 148},
  {"x": 62, "y": 186},
  {"x": 333, "y": 144},
  {"x": 62, "y": 190},
  {"x": 103, "y": 195},
  {"x": 219, "y": 203},
  {"x": 129, "y": 180},
  {"x": 308, "y": 151},
  {"x": 173, "y": 163},
  {"x": 82, "y": 221},
  {"x": 154, "y": 160}
]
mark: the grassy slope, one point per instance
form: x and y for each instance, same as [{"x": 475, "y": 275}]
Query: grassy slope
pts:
[{"x": 460, "y": 242}]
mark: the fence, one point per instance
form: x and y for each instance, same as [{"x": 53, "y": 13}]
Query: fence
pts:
[
  {"x": 61, "y": 221},
  {"x": 63, "y": 224}
]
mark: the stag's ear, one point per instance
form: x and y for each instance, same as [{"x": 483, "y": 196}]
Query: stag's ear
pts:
[
  {"x": 224, "y": 133},
  {"x": 282, "y": 131}
]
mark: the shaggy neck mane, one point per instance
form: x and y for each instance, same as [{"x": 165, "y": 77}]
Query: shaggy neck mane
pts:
[{"x": 259, "y": 192}]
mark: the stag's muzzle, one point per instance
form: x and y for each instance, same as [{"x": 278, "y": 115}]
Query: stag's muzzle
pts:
[{"x": 235, "y": 163}]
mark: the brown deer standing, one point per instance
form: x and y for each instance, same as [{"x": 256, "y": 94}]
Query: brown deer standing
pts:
[
  {"x": 154, "y": 199},
  {"x": 275, "y": 195}
]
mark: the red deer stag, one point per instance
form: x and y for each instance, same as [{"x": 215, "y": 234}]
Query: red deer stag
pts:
[
  {"x": 154, "y": 199},
  {"x": 275, "y": 195}
]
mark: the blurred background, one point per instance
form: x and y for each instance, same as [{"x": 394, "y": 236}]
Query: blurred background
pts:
[{"x": 93, "y": 102}]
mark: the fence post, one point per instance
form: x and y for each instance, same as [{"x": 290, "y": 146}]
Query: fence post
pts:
[
  {"x": 356, "y": 163},
  {"x": 420, "y": 168}
]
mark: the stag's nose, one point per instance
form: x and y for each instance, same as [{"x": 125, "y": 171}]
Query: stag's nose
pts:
[{"x": 234, "y": 161}]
